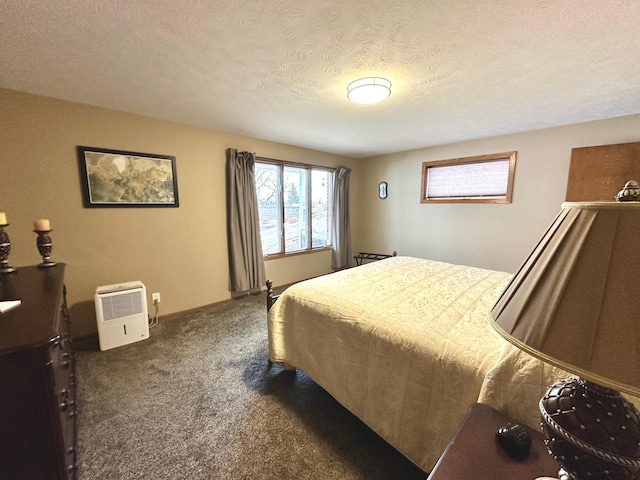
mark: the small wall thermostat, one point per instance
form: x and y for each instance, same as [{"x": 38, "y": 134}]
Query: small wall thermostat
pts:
[{"x": 382, "y": 190}]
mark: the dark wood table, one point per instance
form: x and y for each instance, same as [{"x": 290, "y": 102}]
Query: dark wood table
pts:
[{"x": 474, "y": 453}]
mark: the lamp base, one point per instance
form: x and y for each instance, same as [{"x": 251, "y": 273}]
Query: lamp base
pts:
[
  {"x": 591, "y": 431},
  {"x": 562, "y": 475}
]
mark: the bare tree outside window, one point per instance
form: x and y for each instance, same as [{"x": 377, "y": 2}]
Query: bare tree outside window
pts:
[
  {"x": 294, "y": 203},
  {"x": 268, "y": 192}
]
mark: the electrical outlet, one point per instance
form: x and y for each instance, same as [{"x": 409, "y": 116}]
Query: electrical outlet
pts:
[{"x": 155, "y": 297}]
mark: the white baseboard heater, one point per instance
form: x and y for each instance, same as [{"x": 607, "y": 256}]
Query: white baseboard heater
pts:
[{"x": 121, "y": 313}]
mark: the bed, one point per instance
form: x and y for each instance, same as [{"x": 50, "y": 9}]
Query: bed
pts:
[{"x": 405, "y": 344}]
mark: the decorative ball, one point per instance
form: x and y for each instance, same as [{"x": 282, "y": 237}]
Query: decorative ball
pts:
[
  {"x": 591, "y": 431},
  {"x": 630, "y": 192}
]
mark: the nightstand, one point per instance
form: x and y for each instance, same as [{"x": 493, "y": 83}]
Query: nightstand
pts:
[{"x": 474, "y": 453}]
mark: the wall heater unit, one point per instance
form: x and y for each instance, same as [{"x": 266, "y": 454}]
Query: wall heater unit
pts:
[{"x": 121, "y": 313}]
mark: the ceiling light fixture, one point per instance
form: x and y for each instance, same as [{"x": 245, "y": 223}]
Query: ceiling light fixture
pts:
[{"x": 369, "y": 90}]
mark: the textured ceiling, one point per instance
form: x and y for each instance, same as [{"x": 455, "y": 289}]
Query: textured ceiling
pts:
[{"x": 278, "y": 69}]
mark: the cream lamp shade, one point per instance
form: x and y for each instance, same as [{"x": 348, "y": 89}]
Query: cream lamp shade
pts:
[
  {"x": 575, "y": 302},
  {"x": 369, "y": 90}
]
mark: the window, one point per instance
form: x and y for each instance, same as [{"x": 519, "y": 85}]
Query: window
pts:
[
  {"x": 481, "y": 179},
  {"x": 294, "y": 205}
]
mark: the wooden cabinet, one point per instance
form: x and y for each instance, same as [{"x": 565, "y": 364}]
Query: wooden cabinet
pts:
[{"x": 37, "y": 375}]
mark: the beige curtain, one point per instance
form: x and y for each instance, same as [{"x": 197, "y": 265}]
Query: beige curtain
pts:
[
  {"x": 341, "y": 230},
  {"x": 246, "y": 263}
]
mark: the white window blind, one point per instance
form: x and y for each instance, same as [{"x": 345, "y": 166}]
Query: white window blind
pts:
[
  {"x": 468, "y": 180},
  {"x": 480, "y": 179}
]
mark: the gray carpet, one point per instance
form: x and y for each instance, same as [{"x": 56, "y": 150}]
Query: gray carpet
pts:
[{"x": 198, "y": 400}]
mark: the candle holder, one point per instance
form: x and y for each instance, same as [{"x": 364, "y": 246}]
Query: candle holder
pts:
[
  {"x": 5, "y": 248},
  {"x": 44, "y": 247}
]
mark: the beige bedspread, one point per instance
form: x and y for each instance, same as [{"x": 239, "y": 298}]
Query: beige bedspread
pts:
[{"x": 405, "y": 344}]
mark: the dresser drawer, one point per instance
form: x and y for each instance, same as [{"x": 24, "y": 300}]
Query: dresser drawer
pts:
[
  {"x": 62, "y": 363},
  {"x": 69, "y": 425},
  {"x": 63, "y": 372}
]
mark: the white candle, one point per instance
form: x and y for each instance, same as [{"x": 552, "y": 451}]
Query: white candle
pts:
[
  {"x": 3, "y": 218},
  {"x": 42, "y": 225}
]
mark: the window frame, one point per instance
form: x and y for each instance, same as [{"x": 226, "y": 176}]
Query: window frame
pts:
[
  {"x": 493, "y": 157},
  {"x": 281, "y": 164}
]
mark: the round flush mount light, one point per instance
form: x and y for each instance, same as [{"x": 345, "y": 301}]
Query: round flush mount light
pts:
[{"x": 369, "y": 90}]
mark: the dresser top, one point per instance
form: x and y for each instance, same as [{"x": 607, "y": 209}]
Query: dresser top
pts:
[{"x": 31, "y": 323}]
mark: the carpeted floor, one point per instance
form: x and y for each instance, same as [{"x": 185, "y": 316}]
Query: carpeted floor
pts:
[{"x": 198, "y": 400}]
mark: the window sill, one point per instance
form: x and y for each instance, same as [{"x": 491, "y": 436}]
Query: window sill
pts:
[
  {"x": 466, "y": 200},
  {"x": 277, "y": 256}
]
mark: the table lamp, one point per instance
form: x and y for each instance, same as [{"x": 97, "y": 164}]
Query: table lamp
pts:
[{"x": 575, "y": 303}]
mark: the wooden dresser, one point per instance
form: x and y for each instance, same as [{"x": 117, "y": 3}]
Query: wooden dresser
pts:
[{"x": 37, "y": 377}]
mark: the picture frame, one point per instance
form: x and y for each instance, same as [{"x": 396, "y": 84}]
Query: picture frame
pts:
[{"x": 118, "y": 178}]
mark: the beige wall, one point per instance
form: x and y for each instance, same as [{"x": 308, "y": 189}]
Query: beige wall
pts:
[
  {"x": 492, "y": 236},
  {"x": 179, "y": 252}
]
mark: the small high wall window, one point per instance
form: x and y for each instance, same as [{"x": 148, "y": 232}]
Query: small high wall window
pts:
[
  {"x": 480, "y": 179},
  {"x": 294, "y": 206}
]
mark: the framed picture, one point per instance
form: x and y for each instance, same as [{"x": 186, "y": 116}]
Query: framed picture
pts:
[{"x": 114, "y": 178}]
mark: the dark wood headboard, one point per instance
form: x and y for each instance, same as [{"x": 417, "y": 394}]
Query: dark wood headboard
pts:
[{"x": 599, "y": 173}]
